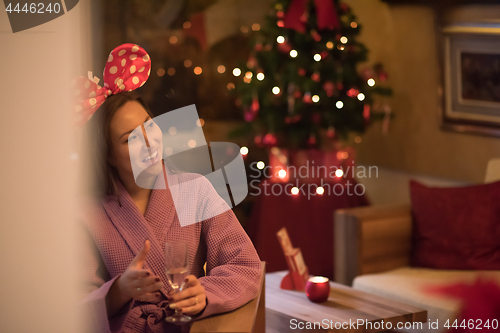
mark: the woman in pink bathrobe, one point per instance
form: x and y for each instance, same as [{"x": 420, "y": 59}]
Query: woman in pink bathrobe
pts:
[{"x": 126, "y": 288}]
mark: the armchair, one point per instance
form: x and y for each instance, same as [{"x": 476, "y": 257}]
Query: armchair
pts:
[{"x": 372, "y": 252}]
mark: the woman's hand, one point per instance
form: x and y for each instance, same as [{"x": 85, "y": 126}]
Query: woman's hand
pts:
[
  {"x": 137, "y": 282},
  {"x": 191, "y": 300}
]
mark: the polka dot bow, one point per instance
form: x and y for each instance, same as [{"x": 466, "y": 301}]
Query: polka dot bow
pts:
[{"x": 128, "y": 68}]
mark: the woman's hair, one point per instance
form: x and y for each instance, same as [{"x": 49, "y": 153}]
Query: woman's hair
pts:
[{"x": 103, "y": 173}]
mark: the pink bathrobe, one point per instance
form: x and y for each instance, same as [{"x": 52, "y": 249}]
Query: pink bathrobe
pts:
[{"x": 118, "y": 233}]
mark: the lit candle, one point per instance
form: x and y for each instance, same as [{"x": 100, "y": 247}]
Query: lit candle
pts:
[{"x": 318, "y": 289}]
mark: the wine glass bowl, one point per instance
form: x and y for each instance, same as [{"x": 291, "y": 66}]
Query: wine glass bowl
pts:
[{"x": 177, "y": 268}]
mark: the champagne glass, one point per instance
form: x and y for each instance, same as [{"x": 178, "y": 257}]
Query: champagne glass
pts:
[{"x": 176, "y": 267}]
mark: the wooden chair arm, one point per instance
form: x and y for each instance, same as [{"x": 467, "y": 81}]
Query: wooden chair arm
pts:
[
  {"x": 248, "y": 318},
  {"x": 370, "y": 240}
]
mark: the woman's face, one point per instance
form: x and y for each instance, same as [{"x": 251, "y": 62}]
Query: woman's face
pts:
[{"x": 136, "y": 143}]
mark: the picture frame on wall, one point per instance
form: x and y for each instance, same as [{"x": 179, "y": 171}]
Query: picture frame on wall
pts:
[{"x": 472, "y": 78}]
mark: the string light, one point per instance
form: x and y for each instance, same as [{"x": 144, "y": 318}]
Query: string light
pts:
[
  {"x": 160, "y": 72},
  {"x": 171, "y": 71},
  {"x": 187, "y": 63},
  {"x": 339, "y": 104},
  {"x": 260, "y": 76},
  {"x": 230, "y": 86},
  {"x": 282, "y": 174},
  {"x": 354, "y": 25},
  {"x": 221, "y": 69},
  {"x": 320, "y": 190},
  {"x": 317, "y": 57},
  {"x": 173, "y": 39},
  {"x": 361, "y": 96},
  {"x": 280, "y": 39},
  {"x": 343, "y": 40},
  {"x": 280, "y": 23},
  {"x": 255, "y": 27},
  {"x": 191, "y": 143},
  {"x": 244, "y": 151},
  {"x": 341, "y": 47},
  {"x": 198, "y": 70},
  {"x": 329, "y": 45},
  {"x": 357, "y": 139},
  {"x": 247, "y": 79},
  {"x": 172, "y": 130},
  {"x": 236, "y": 72},
  {"x": 339, "y": 173},
  {"x": 315, "y": 98},
  {"x": 261, "y": 165},
  {"x": 293, "y": 53},
  {"x": 200, "y": 122},
  {"x": 248, "y": 74},
  {"x": 186, "y": 25},
  {"x": 371, "y": 82},
  {"x": 294, "y": 190},
  {"x": 244, "y": 29},
  {"x": 276, "y": 90}
]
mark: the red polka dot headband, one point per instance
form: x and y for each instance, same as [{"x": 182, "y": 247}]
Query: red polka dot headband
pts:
[{"x": 128, "y": 68}]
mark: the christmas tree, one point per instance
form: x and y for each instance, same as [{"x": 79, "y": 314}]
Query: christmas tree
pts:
[{"x": 301, "y": 82}]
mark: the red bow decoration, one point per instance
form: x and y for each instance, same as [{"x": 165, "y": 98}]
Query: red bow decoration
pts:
[
  {"x": 326, "y": 15},
  {"x": 128, "y": 68}
]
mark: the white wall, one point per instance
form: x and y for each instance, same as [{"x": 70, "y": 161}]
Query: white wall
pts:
[{"x": 37, "y": 176}]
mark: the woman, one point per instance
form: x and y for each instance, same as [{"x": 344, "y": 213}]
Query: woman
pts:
[{"x": 126, "y": 286}]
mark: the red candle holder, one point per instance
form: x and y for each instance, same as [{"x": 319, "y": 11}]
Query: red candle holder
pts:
[{"x": 318, "y": 289}]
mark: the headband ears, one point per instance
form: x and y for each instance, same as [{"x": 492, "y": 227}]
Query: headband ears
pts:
[{"x": 128, "y": 67}]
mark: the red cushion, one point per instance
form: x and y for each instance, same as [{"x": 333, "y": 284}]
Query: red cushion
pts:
[{"x": 456, "y": 228}]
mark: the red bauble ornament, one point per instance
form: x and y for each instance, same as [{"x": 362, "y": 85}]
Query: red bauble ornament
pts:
[
  {"x": 330, "y": 132},
  {"x": 252, "y": 62},
  {"x": 352, "y": 92},
  {"x": 307, "y": 97},
  {"x": 255, "y": 105},
  {"x": 329, "y": 87},
  {"x": 315, "y": 35},
  {"x": 269, "y": 140},
  {"x": 284, "y": 47},
  {"x": 315, "y": 77},
  {"x": 366, "y": 113},
  {"x": 258, "y": 140},
  {"x": 312, "y": 140},
  {"x": 249, "y": 115}
]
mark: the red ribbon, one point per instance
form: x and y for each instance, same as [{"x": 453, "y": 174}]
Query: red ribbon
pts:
[{"x": 326, "y": 15}]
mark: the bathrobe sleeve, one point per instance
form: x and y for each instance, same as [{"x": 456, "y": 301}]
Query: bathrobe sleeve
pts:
[
  {"x": 233, "y": 265},
  {"x": 95, "y": 284}
]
